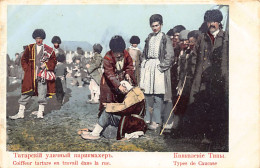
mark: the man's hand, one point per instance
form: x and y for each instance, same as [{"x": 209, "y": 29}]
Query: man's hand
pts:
[
  {"x": 127, "y": 76},
  {"x": 122, "y": 89},
  {"x": 87, "y": 65}
]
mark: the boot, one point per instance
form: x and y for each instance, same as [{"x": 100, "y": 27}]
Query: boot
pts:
[
  {"x": 40, "y": 111},
  {"x": 20, "y": 113},
  {"x": 95, "y": 134}
]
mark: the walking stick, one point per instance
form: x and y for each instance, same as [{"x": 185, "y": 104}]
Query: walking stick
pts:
[{"x": 174, "y": 105}]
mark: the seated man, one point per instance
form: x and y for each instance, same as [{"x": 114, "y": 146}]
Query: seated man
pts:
[{"x": 127, "y": 116}]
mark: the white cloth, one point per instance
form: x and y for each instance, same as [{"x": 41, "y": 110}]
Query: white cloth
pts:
[
  {"x": 134, "y": 134},
  {"x": 152, "y": 80}
]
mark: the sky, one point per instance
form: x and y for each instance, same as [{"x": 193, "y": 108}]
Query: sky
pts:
[{"x": 94, "y": 23}]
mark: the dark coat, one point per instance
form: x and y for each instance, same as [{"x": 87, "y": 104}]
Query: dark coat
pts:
[
  {"x": 110, "y": 80},
  {"x": 211, "y": 72},
  {"x": 166, "y": 58},
  {"x": 29, "y": 84}
]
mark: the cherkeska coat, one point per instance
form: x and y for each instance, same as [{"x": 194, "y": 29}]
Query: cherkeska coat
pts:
[
  {"x": 29, "y": 84},
  {"x": 110, "y": 80}
]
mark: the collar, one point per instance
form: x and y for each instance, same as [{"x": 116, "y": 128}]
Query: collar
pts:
[
  {"x": 135, "y": 48},
  {"x": 215, "y": 33}
]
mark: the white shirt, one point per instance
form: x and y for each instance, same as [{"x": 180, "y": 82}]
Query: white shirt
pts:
[{"x": 38, "y": 48}]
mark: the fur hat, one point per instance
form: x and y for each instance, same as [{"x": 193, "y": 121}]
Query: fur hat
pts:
[
  {"x": 184, "y": 35},
  {"x": 170, "y": 32},
  {"x": 56, "y": 39},
  {"x": 194, "y": 33},
  {"x": 156, "y": 18},
  {"x": 135, "y": 40},
  {"x": 178, "y": 29},
  {"x": 97, "y": 48},
  {"x": 39, "y": 33},
  {"x": 213, "y": 16},
  {"x": 117, "y": 44}
]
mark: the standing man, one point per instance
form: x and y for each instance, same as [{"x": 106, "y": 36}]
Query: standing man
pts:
[
  {"x": 94, "y": 70},
  {"x": 37, "y": 60},
  {"x": 209, "y": 91},
  {"x": 155, "y": 76},
  {"x": 135, "y": 53}
]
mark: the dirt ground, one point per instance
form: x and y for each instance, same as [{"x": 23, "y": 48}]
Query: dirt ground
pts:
[{"x": 57, "y": 131}]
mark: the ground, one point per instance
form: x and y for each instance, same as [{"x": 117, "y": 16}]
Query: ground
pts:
[{"x": 57, "y": 131}]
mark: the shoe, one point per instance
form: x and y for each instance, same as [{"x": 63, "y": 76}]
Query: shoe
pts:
[
  {"x": 94, "y": 102},
  {"x": 153, "y": 126},
  {"x": 88, "y": 135},
  {"x": 80, "y": 86},
  {"x": 168, "y": 126}
]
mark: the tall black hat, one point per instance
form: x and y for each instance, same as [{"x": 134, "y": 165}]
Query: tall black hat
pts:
[
  {"x": 213, "y": 16},
  {"x": 56, "y": 39},
  {"x": 39, "y": 33},
  {"x": 178, "y": 29},
  {"x": 135, "y": 40}
]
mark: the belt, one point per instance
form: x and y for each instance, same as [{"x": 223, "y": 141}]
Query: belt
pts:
[{"x": 137, "y": 116}]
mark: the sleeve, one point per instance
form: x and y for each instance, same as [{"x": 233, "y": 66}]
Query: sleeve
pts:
[
  {"x": 130, "y": 68},
  {"x": 25, "y": 58},
  {"x": 225, "y": 63},
  {"x": 169, "y": 56},
  {"x": 109, "y": 72},
  {"x": 96, "y": 65},
  {"x": 50, "y": 65}
]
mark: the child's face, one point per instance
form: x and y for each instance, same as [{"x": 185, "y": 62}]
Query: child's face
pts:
[{"x": 77, "y": 61}]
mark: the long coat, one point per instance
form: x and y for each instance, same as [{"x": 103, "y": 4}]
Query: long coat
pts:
[
  {"x": 209, "y": 92},
  {"x": 166, "y": 58},
  {"x": 211, "y": 70},
  {"x": 95, "y": 68},
  {"x": 29, "y": 84},
  {"x": 110, "y": 80}
]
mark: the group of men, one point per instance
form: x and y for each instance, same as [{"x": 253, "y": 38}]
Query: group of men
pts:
[{"x": 180, "y": 76}]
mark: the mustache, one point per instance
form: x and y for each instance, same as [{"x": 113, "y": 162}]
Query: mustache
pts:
[{"x": 212, "y": 26}]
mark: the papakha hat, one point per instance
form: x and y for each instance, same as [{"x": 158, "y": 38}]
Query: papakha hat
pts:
[
  {"x": 117, "y": 44},
  {"x": 39, "y": 33}
]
